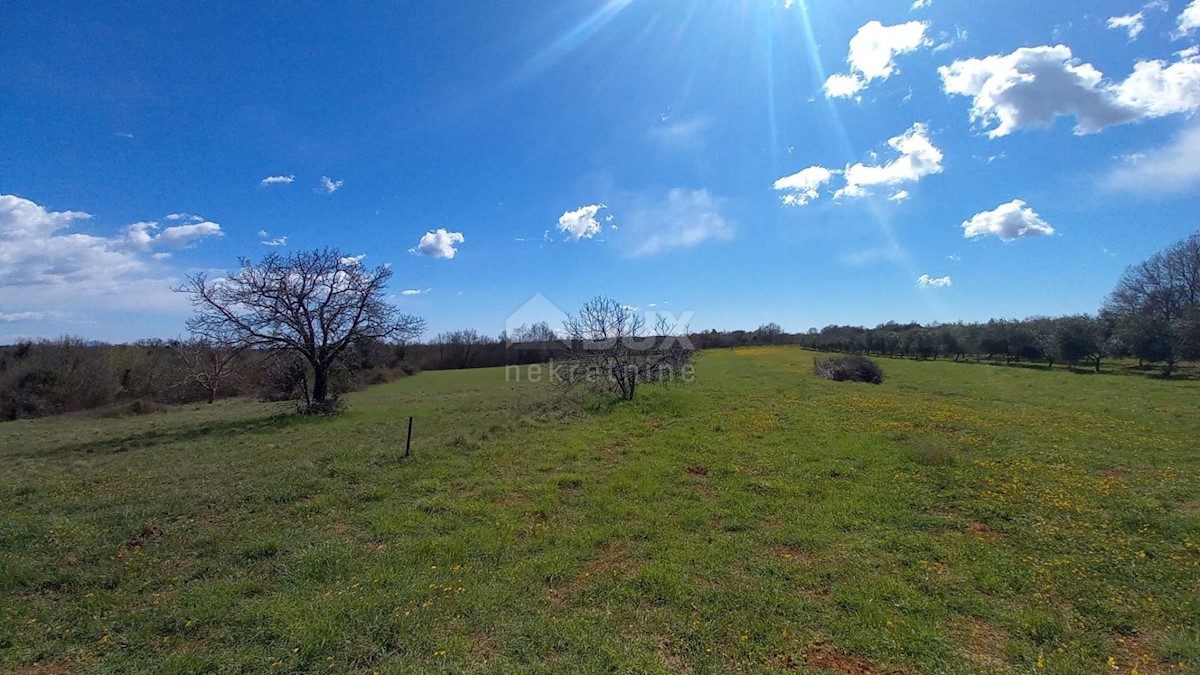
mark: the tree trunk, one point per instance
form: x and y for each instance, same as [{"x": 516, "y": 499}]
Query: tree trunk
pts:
[
  {"x": 212, "y": 394},
  {"x": 320, "y": 384},
  {"x": 1097, "y": 365}
]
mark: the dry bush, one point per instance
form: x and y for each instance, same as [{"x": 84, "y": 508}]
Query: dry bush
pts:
[{"x": 851, "y": 368}]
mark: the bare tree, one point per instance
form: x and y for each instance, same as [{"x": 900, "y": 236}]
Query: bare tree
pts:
[
  {"x": 611, "y": 350},
  {"x": 457, "y": 348},
  {"x": 313, "y": 303},
  {"x": 208, "y": 363}
]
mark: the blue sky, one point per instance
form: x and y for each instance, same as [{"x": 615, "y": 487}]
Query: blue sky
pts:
[{"x": 745, "y": 161}]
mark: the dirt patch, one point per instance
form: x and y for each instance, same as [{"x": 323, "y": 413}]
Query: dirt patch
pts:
[
  {"x": 818, "y": 594},
  {"x": 610, "y": 560},
  {"x": 824, "y": 657},
  {"x": 512, "y": 499},
  {"x": 982, "y": 532},
  {"x": 1133, "y": 651},
  {"x": 148, "y": 536},
  {"x": 483, "y": 648},
  {"x": 985, "y": 646},
  {"x": 793, "y": 554},
  {"x": 671, "y": 658},
  {"x": 697, "y": 470},
  {"x": 58, "y": 667},
  {"x": 613, "y": 447}
]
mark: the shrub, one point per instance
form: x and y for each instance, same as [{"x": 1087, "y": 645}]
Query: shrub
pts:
[{"x": 853, "y": 368}]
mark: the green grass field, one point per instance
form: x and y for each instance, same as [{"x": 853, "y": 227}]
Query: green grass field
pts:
[{"x": 958, "y": 518}]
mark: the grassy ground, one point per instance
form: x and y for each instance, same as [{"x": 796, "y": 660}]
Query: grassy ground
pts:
[{"x": 958, "y": 518}]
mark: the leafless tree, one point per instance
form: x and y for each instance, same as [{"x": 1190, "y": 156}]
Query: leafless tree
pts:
[
  {"x": 210, "y": 364},
  {"x": 313, "y": 303},
  {"x": 538, "y": 332},
  {"x": 457, "y": 348},
  {"x": 610, "y": 349}
]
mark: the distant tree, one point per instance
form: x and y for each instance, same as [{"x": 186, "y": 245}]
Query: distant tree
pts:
[
  {"x": 458, "y": 348},
  {"x": 611, "y": 349},
  {"x": 207, "y": 363},
  {"x": 1154, "y": 301},
  {"x": 949, "y": 344},
  {"x": 1081, "y": 339},
  {"x": 768, "y": 333},
  {"x": 538, "y": 332},
  {"x": 993, "y": 338},
  {"x": 311, "y": 303}
]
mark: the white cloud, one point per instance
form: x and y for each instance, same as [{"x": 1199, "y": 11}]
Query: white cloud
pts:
[
  {"x": 926, "y": 281},
  {"x": 803, "y": 186},
  {"x": 1035, "y": 85},
  {"x": 1132, "y": 24},
  {"x": 329, "y": 186},
  {"x": 1189, "y": 19},
  {"x": 45, "y": 266},
  {"x": 273, "y": 180},
  {"x": 1171, "y": 168},
  {"x": 843, "y": 85},
  {"x": 276, "y": 241},
  {"x": 25, "y": 316},
  {"x": 921, "y": 4},
  {"x": 181, "y": 236},
  {"x": 918, "y": 158},
  {"x": 184, "y": 216},
  {"x": 873, "y": 52},
  {"x": 415, "y": 291},
  {"x": 1009, "y": 221},
  {"x": 685, "y": 218},
  {"x": 898, "y": 196},
  {"x": 580, "y": 223},
  {"x": 438, "y": 244}
]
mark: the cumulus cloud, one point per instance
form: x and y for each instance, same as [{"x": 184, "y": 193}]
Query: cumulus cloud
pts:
[
  {"x": 803, "y": 186},
  {"x": 1189, "y": 19},
  {"x": 1009, "y": 221},
  {"x": 1171, "y": 168},
  {"x": 918, "y": 157},
  {"x": 1033, "y": 86},
  {"x": 873, "y": 52},
  {"x": 684, "y": 218},
  {"x": 926, "y": 281},
  {"x": 843, "y": 85},
  {"x": 147, "y": 235},
  {"x": 1132, "y": 24},
  {"x": 898, "y": 196},
  {"x": 921, "y": 4},
  {"x": 47, "y": 265},
  {"x": 438, "y": 244},
  {"x": 329, "y": 186},
  {"x": 581, "y": 223},
  {"x": 275, "y": 241},
  {"x": 275, "y": 180}
]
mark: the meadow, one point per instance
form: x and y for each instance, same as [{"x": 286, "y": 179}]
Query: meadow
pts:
[{"x": 958, "y": 518}]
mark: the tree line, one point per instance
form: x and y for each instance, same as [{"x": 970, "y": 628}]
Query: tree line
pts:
[{"x": 315, "y": 324}]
